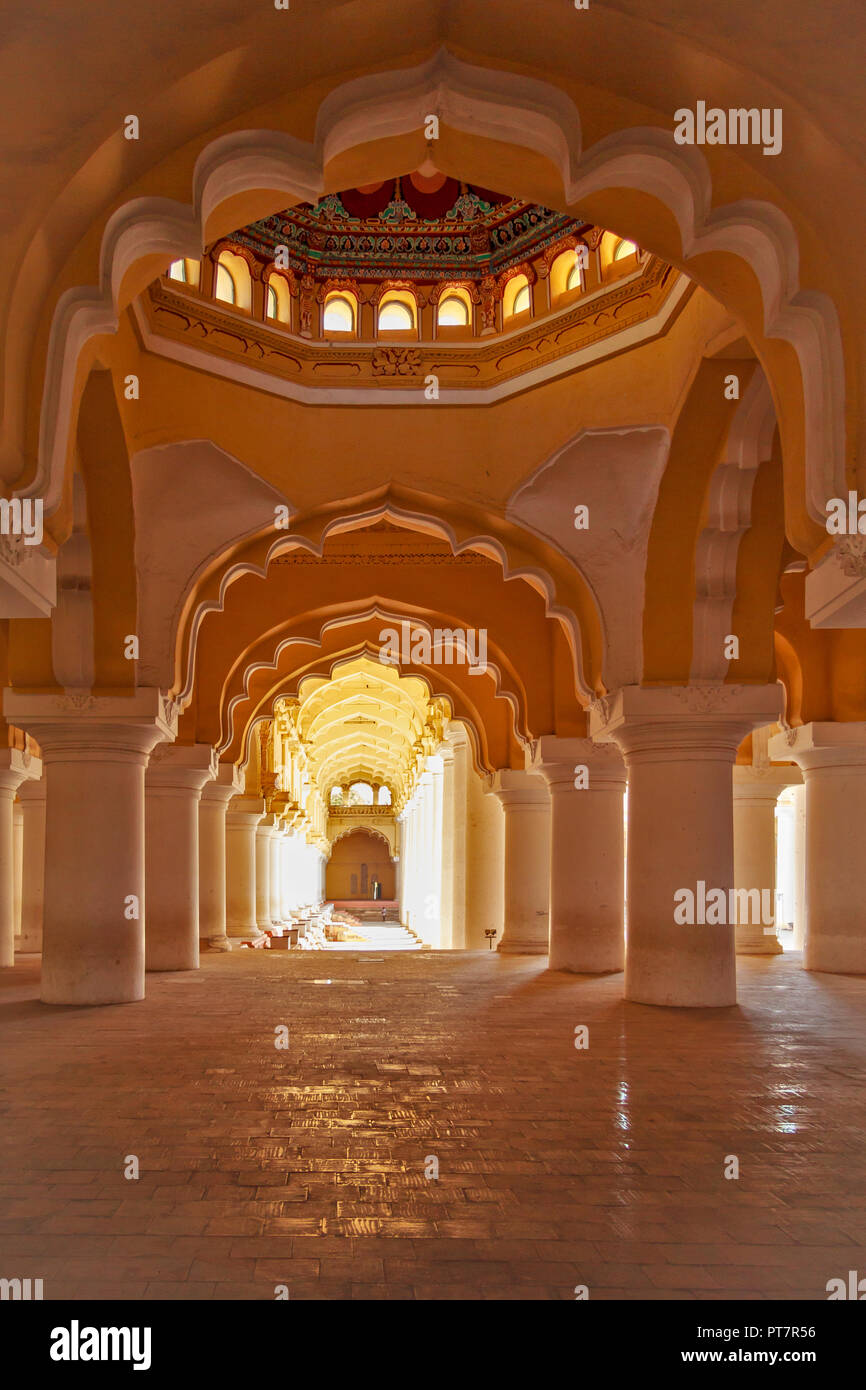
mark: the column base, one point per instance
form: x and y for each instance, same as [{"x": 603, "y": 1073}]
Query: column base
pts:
[
  {"x": 215, "y": 943},
  {"x": 835, "y": 955},
  {"x": 759, "y": 946},
  {"x": 522, "y": 948}
]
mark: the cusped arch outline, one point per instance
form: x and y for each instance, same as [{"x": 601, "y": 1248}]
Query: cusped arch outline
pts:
[
  {"x": 485, "y": 105},
  {"x": 439, "y": 686},
  {"x": 367, "y": 830},
  {"x": 551, "y": 573}
]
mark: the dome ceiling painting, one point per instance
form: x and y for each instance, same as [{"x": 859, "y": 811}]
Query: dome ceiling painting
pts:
[
  {"x": 530, "y": 290},
  {"x": 413, "y": 227}
]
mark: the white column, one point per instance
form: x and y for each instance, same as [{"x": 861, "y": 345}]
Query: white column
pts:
[
  {"x": 242, "y": 818},
  {"x": 409, "y": 870},
  {"x": 427, "y": 907},
  {"x": 17, "y": 868},
  {"x": 455, "y": 831},
  {"x": 173, "y": 785},
  {"x": 402, "y": 866},
  {"x": 756, "y": 791},
  {"x": 288, "y": 875},
  {"x": 15, "y": 767},
  {"x": 679, "y": 744},
  {"x": 526, "y": 803},
  {"x": 832, "y": 757},
  {"x": 436, "y": 890},
  {"x": 799, "y": 868},
  {"x": 265, "y": 832},
  {"x": 586, "y": 781},
  {"x": 275, "y": 874},
  {"x": 446, "y": 938},
  {"x": 95, "y": 750},
  {"x": 32, "y": 863},
  {"x": 215, "y": 798}
]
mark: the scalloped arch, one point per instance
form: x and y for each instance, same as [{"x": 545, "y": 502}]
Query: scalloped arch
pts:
[{"x": 514, "y": 110}]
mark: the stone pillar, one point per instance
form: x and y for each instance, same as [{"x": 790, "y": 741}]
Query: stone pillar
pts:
[
  {"x": 526, "y": 803},
  {"x": 215, "y": 798},
  {"x": 424, "y": 902},
  {"x": 173, "y": 786},
  {"x": 799, "y": 867},
  {"x": 289, "y": 875},
  {"x": 275, "y": 847},
  {"x": 242, "y": 818},
  {"x": 446, "y": 916},
  {"x": 412, "y": 865},
  {"x": 17, "y": 869},
  {"x": 32, "y": 797},
  {"x": 832, "y": 757},
  {"x": 756, "y": 791},
  {"x": 265, "y": 832},
  {"x": 436, "y": 842},
  {"x": 95, "y": 749},
  {"x": 586, "y": 781},
  {"x": 15, "y": 767},
  {"x": 679, "y": 745},
  {"x": 459, "y": 837}
]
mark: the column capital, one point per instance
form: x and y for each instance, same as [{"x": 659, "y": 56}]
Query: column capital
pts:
[
  {"x": 245, "y": 810},
  {"x": 555, "y": 759},
  {"x": 227, "y": 783},
  {"x": 181, "y": 767},
  {"x": 650, "y": 722},
  {"x": 72, "y": 725},
  {"x": 17, "y": 767},
  {"x": 764, "y": 783},
  {"x": 822, "y": 744},
  {"x": 519, "y": 787}
]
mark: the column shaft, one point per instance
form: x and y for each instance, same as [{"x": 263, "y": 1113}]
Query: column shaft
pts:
[
  {"x": 756, "y": 791},
  {"x": 526, "y": 803},
  {"x": 833, "y": 759},
  {"x": 173, "y": 786},
  {"x": 242, "y": 818},
  {"x": 587, "y": 854},
  {"x": 679, "y": 745},
  {"x": 212, "y": 861}
]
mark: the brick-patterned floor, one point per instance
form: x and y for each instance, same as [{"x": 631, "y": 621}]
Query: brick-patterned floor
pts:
[{"x": 557, "y": 1167}]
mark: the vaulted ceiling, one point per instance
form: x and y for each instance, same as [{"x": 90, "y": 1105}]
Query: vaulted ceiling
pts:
[{"x": 367, "y": 723}]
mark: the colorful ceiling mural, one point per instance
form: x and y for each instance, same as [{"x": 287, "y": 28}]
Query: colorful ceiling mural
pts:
[{"x": 412, "y": 227}]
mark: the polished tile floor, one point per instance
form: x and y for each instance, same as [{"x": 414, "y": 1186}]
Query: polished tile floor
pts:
[{"x": 311, "y": 1166}]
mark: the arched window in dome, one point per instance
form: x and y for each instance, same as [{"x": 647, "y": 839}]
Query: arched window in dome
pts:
[
  {"x": 624, "y": 249},
  {"x": 360, "y": 794},
  {"x": 278, "y": 299},
  {"x": 339, "y": 314},
  {"x": 453, "y": 311},
  {"x": 397, "y": 312},
  {"x": 224, "y": 286},
  {"x": 336, "y": 797},
  {"x": 614, "y": 250},
  {"x": 186, "y": 271},
  {"x": 566, "y": 272},
  {"x": 517, "y": 298},
  {"x": 384, "y": 796},
  {"x": 233, "y": 284}
]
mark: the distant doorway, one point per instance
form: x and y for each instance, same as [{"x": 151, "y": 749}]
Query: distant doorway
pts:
[{"x": 359, "y": 862}]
